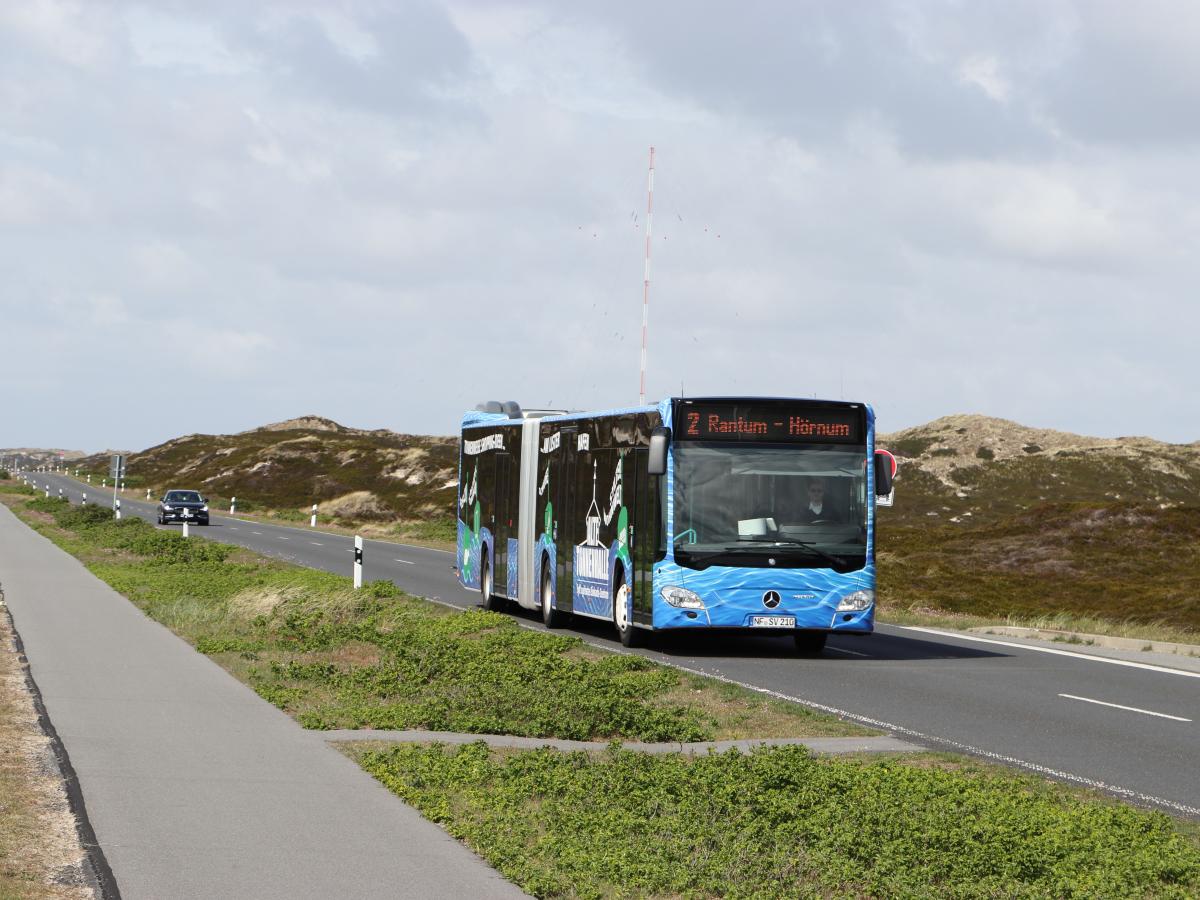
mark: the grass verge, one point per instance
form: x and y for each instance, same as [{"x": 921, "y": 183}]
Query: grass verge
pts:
[{"x": 777, "y": 822}]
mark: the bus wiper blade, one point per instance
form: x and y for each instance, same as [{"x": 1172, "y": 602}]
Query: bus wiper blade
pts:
[{"x": 811, "y": 548}]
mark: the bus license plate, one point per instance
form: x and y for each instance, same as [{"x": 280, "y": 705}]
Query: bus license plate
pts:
[{"x": 772, "y": 621}]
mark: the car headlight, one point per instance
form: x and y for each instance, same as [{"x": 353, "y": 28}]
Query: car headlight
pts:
[
  {"x": 204, "y": 508},
  {"x": 857, "y": 601},
  {"x": 682, "y": 598},
  {"x": 166, "y": 508}
]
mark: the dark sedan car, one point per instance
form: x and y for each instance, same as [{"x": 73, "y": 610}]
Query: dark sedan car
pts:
[{"x": 175, "y": 506}]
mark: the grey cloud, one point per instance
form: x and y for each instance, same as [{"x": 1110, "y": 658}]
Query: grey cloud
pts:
[
  {"x": 417, "y": 53},
  {"x": 811, "y": 69}
]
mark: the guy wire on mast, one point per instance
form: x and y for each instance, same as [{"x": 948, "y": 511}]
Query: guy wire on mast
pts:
[{"x": 646, "y": 278}]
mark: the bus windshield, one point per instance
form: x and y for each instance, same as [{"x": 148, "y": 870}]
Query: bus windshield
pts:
[{"x": 782, "y": 505}]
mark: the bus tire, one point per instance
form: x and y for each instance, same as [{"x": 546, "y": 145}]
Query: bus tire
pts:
[
  {"x": 810, "y": 643},
  {"x": 551, "y": 617},
  {"x": 487, "y": 584},
  {"x": 622, "y": 617}
]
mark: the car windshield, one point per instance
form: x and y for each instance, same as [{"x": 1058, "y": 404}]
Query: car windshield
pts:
[
  {"x": 182, "y": 497},
  {"x": 800, "y": 505}
]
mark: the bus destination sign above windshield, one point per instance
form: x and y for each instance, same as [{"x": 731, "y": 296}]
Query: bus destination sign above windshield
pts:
[{"x": 782, "y": 423}]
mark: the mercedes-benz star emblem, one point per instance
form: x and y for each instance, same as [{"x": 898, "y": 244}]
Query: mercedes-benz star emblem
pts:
[{"x": 771, "y": 599}]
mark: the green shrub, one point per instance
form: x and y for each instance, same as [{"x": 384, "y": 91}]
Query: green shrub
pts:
[
  {"x": 77, "y": 517},
  {"x": 440, "y": 530},
  {"x": 985, "y": 453},
  {"x": 910, "y": 447},
  {"x": 944, "y": 451},
  {"x": 5, "y": 475},
  {"x": 50, "y": 505}
]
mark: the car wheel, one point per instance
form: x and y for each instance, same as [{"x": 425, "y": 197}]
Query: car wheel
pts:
[
  {"x": 550, "y": 616},
  {"x": 810, "y": 643},
  {"x": 622, "y": 620},
  {"x": 487, "y": 584}
]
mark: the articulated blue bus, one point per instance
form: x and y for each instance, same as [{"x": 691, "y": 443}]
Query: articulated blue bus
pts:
[{"x": 698, "y": 513}]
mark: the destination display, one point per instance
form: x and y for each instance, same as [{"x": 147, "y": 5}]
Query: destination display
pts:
[{"x": 768, "y": 423}]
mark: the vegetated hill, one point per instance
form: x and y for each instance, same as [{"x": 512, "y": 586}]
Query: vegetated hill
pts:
[
  {"x": 31, "y": 457},
  {"x": 284, "y": 468},
  {"x": 994, "y": 518}
]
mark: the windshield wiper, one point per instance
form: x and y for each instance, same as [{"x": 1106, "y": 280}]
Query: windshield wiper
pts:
[
  {"x": 792, "y": 542},
  {"x": 782, "y": 542}
]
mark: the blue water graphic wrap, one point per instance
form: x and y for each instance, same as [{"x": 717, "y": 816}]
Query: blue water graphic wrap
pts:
[
  {"x": 470, "y": 546},
  {"x": 513, "y": 563},
  {"x": 733, "y": 595}
]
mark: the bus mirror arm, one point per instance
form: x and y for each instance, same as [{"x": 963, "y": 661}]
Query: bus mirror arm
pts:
[
  {"x": 660, "y": 438},
  {"x": 883, "y": 475}
]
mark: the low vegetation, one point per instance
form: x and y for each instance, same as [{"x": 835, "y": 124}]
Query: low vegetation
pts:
[
  {"x": 1119, "y": 562},
  {"x": 1022, "y": 525},
  {"x": 777, "y": 822}
]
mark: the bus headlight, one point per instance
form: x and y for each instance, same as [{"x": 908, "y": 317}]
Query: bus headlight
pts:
[
  {"x": 682, "y": 598},
  {"x": 857, "y": 601}
]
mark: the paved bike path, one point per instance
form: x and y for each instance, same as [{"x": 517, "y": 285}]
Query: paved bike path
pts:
[{"x": 194, "y": 785}]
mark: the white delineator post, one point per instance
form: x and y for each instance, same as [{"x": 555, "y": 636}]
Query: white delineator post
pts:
[
  {"x": 186, "y": 516},
  {"x": 232, "y": 505},
  {"x": 84, "y": 503},
  {"x": 313, "y": 522},
  {"x": 47, "y": 490},
  {"x": 89, "y": 478},
  {"x": 117, "y": 509},
  {"x": 646, "y": 279},
  {"x": 358, "y": 560},
  {"x": 147, "y": 493}
]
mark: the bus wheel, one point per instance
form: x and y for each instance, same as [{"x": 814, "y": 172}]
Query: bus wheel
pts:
[
  {"x": 810, "y": 643},
  {"x": 551, "y": 616},
  {"x": 490, "y": 600},
  {"x": 630, "y": 637}
]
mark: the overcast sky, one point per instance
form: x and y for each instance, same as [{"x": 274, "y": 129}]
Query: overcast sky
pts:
[{"x": 217, "y": 215}]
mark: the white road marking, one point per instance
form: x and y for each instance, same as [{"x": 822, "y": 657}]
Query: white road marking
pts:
[
  {"x": 282, "y": 538},
  {"x": 407, "y": 562},
  {"x": 256, "y": 532},
  {"x": 844, "y": 650},
  {"x": 1103, "y": 659},
  {"x": 1135, "y": 709},
  {"x": 316, "y": 543},
  {"x": 235, "y": 528}
]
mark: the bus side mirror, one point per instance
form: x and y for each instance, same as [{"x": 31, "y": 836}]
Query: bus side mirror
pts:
[
  {"x": 660, "y": 437},
  {"x": 885, "y": 468}
]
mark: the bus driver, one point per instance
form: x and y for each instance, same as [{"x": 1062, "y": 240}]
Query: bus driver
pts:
[{"x": 819, "y": 509}]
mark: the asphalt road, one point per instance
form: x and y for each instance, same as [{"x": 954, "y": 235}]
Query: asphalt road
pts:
[{"x": 1125, "y": 723}]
